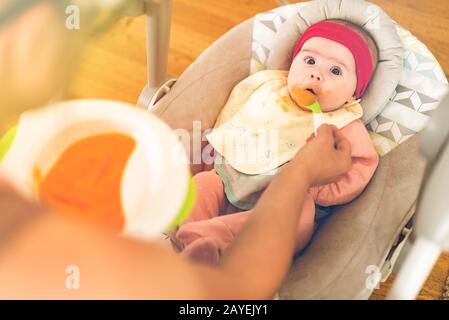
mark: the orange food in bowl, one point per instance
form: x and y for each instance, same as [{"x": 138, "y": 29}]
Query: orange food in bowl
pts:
[{"x": 86, "y": 179}]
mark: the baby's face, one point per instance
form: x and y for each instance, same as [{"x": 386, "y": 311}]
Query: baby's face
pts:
[{"x": 328, "y": 68}]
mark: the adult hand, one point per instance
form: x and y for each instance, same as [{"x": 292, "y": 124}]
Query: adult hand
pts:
[
  {"x": 15, "y": 210},
  {"x": 35, "y": 57},
  {"x": 325, "y": 157}
]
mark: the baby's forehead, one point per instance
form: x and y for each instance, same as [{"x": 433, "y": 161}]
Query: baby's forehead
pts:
[
  {"x": 327, "y": 48},
  {"x": 324, "y": 45}
]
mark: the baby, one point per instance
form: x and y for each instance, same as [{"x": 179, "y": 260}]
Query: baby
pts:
[{"x": 335, "y": 61}]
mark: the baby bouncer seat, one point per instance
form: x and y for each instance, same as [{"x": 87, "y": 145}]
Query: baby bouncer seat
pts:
[{"x": 359, "y": 243}]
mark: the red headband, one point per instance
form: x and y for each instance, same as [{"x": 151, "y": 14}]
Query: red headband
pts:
[{"x": 351, "y": 40}]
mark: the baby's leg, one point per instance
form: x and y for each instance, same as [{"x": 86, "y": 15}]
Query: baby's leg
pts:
[
  {"x": 205, "y": 241},
  {"x": 225, "y": 228},
  {"x": 210, "y": 200}
]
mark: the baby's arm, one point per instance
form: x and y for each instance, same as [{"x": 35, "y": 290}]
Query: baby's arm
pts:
[{"x": 364, "y": 164}]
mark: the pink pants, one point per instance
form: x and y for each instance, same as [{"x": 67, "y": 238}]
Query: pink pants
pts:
[{"x": 205, "y": 235}]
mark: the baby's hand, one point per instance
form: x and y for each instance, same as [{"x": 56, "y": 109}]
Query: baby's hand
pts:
[{"x": 325, "y": 157}]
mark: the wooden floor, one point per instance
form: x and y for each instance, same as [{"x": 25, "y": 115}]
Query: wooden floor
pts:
[{"x": 114, "y": 64}]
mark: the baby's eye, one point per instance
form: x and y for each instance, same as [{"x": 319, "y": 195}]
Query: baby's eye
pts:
[
  {"x": 309, "y": 60},
  {"x": 336, "y": 70}
]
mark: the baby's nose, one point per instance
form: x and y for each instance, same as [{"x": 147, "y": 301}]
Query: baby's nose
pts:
[{"x": 315, "y": 76}]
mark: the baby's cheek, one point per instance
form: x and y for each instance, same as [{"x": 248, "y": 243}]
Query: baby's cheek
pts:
[
  {"x": 344, "y": 89},
  {"x": 344, "y": 92},
  {"x": 351, "y": 84},
  {"x": 294, "y": 74},
  {"x": 292, "y": 80},
  {"x": 334, "y": 96}
]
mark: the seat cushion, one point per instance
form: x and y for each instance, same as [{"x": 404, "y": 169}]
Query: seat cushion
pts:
[{"x": 360, "y": 233}]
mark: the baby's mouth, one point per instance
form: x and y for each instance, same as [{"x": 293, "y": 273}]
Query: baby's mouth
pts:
[
  {"x": 303, "y": 97},
  {"x": 313, "y": 91}
]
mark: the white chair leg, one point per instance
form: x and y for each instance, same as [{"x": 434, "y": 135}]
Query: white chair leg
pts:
[{"x": 158, "y": 39}]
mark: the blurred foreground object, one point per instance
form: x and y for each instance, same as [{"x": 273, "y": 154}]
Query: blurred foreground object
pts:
[{"x": 40, "y": 41}]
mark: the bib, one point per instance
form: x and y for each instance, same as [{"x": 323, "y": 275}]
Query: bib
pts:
[{"x": 260, "y": 128}]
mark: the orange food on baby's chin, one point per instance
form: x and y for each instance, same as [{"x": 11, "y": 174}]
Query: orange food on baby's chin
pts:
[
  {"x": 303, "y": 97},
  {"x": 86, "y": 179}
]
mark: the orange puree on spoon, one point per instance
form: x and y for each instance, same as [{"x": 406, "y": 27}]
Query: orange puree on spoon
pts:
[
  {"x": 302, "y": 97},
  {"x": 86, "y": 179}
]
